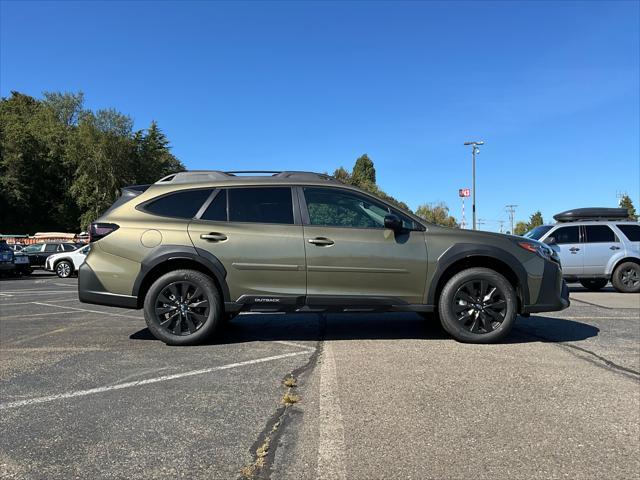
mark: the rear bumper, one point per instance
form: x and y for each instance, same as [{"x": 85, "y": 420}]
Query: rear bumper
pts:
[
  {"x": 90, "y": 290},
  {"x": 554, "y": 292}
]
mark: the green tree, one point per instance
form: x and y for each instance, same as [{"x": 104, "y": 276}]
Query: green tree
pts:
[
  {"x": 363, "y": 176},
  {"x": 437, "y": 213},
  {"x": 364, "y": 173},
  {"x": 536, "y": 220},
  {"x": 521, "y": 228},
  {"x": 62, "y": 165},
  {"x": 625, "y": 202}
]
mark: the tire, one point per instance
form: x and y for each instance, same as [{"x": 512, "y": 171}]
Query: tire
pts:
[
  {"x": 183, "y": 307},
  {"x": 594, "y": 284},
  {"x": 626, "y": 278},
  {"x": 484, "y": 321},
  {"x": 64, "y": 269}
]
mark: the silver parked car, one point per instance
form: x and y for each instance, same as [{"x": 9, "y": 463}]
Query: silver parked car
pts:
[{"x": 595, "y": 245}]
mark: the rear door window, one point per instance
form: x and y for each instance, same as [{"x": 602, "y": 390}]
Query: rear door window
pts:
[
  {"x": 566, "y": 235},
  {"x": 599, "y": 234},
  {"x": 217, "y": 209},
  {"x": 632, "y": 232},
  {"x": 182, "y": 204},
  {"x": 51, "y": 247},
  {"x": 260, "y": 205}
]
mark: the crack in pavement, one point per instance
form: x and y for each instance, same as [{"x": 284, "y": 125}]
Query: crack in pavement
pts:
[{"x": 598, "y": 360}]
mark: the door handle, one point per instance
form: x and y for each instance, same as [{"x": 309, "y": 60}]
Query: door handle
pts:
[
  {"x": 613, "y": 247},
  {"x": 321, "y": 241},
  {"x": 574, "y": 249},
  {"x": 214, "y": 236}
]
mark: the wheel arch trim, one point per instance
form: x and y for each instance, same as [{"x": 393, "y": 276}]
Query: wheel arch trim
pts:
[
  {"x": 463, "y": 251},
  {"x": 168, "y": 253}
]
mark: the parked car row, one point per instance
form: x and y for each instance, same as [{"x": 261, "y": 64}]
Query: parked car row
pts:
[{"x": 63, "y": 258}]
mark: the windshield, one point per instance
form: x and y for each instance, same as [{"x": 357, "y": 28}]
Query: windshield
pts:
[{"x": 538, "y": 232}]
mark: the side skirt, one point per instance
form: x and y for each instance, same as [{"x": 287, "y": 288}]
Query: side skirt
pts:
[{"x": 322, "y": 303}]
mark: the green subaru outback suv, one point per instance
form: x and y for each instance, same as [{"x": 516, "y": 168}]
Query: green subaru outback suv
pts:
[{"x": 197, "y": 248}]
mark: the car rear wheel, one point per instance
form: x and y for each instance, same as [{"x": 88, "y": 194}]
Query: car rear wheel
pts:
[
  {"x": 64, "y": 269},
  {"x": 594, "y": 284},
  {"x": 183, "y": 307},
  {"x": 626, "y": 277},
  {"x": 478, "y": 305}
]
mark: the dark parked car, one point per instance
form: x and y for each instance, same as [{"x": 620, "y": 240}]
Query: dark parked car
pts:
[
  {"x": 6, "y": 258},
  {"x": 39, "y": 252}
]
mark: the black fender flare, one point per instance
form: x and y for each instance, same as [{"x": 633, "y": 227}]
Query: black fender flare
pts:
[
  {"x": 166, "y": 253},
  {"x": 460, "y": 251}
]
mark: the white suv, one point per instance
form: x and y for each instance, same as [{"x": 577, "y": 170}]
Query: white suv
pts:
[
  {"x": 66, "y": 263},
  {"x": 595, "y": 245}
]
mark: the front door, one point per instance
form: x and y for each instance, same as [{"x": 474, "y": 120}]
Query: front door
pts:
[
  {"x": 350, "y": 253},
  {"x": 571, "y": 249},
  {"x": 253, "y": 233}
]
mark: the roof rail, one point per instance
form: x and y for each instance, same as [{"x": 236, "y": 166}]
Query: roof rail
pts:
[{"x": 198, "y": 176}]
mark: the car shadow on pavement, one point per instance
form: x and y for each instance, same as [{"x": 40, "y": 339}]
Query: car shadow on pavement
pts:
[{"x": 390, "y": 326}]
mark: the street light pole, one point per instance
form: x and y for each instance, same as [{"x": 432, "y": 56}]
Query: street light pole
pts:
[{"x": 474, "y": 150}]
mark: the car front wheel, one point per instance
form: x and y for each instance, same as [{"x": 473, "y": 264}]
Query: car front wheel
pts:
[
  {"x": 64, "y": 269},
  {"x": 478, "y": 305},
  {"x": 183, "y": 307},
  {"x": 626, "y": 278}
]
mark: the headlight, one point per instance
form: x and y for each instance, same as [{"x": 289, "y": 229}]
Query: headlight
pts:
[{"x": 538, "y": 248}]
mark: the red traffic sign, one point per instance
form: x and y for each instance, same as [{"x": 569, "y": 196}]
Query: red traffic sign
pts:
[{"x": 464, "y": 192}]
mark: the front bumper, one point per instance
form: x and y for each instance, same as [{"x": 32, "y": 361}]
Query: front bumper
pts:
[{"x": 554, "y": 292}]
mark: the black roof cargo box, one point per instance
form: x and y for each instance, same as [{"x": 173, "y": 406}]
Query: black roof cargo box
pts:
[{"x": 592, "y": 214}]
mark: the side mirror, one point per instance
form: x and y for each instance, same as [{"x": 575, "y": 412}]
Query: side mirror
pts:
[
  {"x": 549, "y": 241},
  {"x": 393, "y": 222}
]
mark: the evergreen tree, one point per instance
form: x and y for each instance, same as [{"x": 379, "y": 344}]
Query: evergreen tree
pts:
[
  {"x": 364, "y": 173},
  {"x": 625, "y": 202},
  {"x": 536, "y": 220}
]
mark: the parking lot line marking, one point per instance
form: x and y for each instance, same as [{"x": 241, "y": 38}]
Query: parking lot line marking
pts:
[
  {"x": 19, "y": 316},
  {"x": 42, "y": 292},
  {"x": 5, "y": 295},
  {"x": 139, "y": 383},
  {"x": 30, "y": 303},
  {"x": 87, "y": 310},
  {"x": 294, "y": 344},
  {"x": 331, "y": 446},
  {"x": 28, "y": 290}
]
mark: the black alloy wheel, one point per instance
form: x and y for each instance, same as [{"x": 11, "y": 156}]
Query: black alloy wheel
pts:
[
  {"x": 480, "y": 306},
  {"x": 181, "y": 308}
]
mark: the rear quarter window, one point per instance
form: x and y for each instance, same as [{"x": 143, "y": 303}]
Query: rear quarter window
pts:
[
  {"x": 182, "y": 204},
  {"x": 632, "y": 232}
]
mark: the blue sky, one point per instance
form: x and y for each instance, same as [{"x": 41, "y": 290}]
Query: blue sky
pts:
[{"x": 551, "y": 87}]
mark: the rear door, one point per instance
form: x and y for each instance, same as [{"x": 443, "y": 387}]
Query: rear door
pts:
[
  {"x": 571, "y": 249},
  {"x": 257, "y": 235},
  {"x": 600, "y": 244},
  {"x": 350, "y": 253}
]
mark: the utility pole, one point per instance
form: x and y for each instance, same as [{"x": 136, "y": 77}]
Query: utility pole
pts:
[
  {"x": 481, "y": 221},
  {"x": 474, "y": 150},
  {"x": 501, "y": 222},
  {"x": 511, "y": 210}
]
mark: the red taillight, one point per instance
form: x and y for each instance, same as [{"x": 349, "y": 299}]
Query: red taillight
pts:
[{"x": 101, "y": 230}]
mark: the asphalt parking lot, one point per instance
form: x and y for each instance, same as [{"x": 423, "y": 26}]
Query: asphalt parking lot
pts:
[{"x": 86, "y": 392}]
